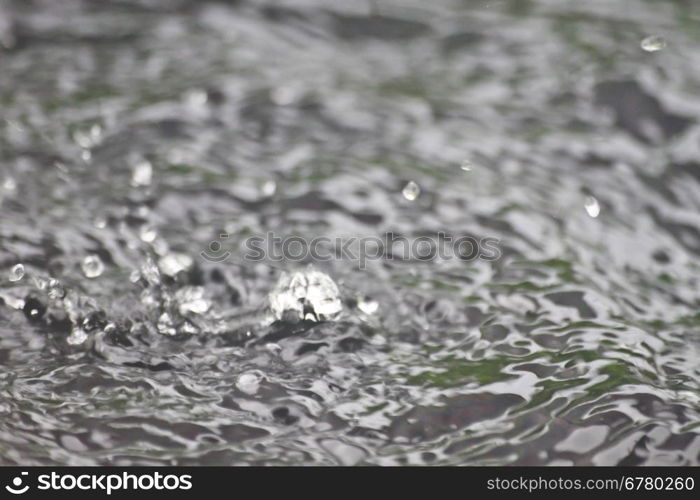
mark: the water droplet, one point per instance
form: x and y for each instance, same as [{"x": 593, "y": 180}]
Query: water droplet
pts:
[
  {"x": 285, "y": 95},
  {"x": 95, "y": 320},
  {"x": 368, "y": 306},
  {"x": 166, "y": 325},
  {"x": 17, "y": 272},
  {"x": 86, "y": 139},
  {"x": 92, "y": 266},
  {"x": 191, "y": 300},
  {"x": 75, "y": 305},
  {"x": 592, "y": 206},
  {"x": 12, "y": 298},
  {"x": 41, "y": 283},
  {"x": 100, "y": 222},
  {"x": 188, "y": 327},
  {"x": 174, "y": 263},
  {"x": 160, "y": 246},
  {"x": 653, "y": 43},
  {"x": 150, "y": 298},
  {"x": 77, "y": 336},
  {"x": 249, "y": 382},
  {"x": 81, "y": 139},
  {"x": 9, "y": 184},
  {"x": 142, "y": 173},
  {"x": 269, "y": 188},
  {"x": 306, "y": 294},
  {"x": 135, "y": 276},
  {"x": 378, "y": 340},
  {"x": 86, "y": 155},
  {"x": 95, "y": 133},
  {"x": 411, "y": 191},
  {"x": 147, "y": 234},
  {"x": 273, "y": 348},
  {"x": 55, "y": 289},
  {"x": 196, "y": 98},
  {"x": 466, "y": 165},
  {"x": 150, "y": 272}
]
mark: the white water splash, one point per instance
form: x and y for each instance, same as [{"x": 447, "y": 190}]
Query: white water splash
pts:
[{"x": 308, "y": 294}]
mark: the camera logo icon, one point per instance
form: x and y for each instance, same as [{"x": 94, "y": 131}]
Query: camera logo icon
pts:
[{"x": 16, "y": 487}]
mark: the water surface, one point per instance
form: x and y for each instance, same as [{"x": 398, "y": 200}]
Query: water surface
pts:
[{"x": 134, "y": 133}]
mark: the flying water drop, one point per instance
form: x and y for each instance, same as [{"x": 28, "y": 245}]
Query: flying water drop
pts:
[
  {"x": 147, "y": 234},
  {"x": 411, "y": 191},
  {"x": 17, "y": 272},
  {"x": 466, "y": 165},
  {"x": 268, "y": 188},
  {"x": 92, "y": 266},
  {"x": 142, "y": 174},
  {"x": 196, "y": 98},
  {"x": 592, "y": 206},
  {"x": 9, "y": 184},
  {"x": 653, "y": 43},
  {"x": 367, "y": 306},
  {"x": 88, "y": 138}
]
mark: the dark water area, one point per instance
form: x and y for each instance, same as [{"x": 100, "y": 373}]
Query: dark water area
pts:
[{"x": 135, "y": 133}]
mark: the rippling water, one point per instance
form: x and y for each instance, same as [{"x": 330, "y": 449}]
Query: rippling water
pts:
[{"x": 134, "y": 133}]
